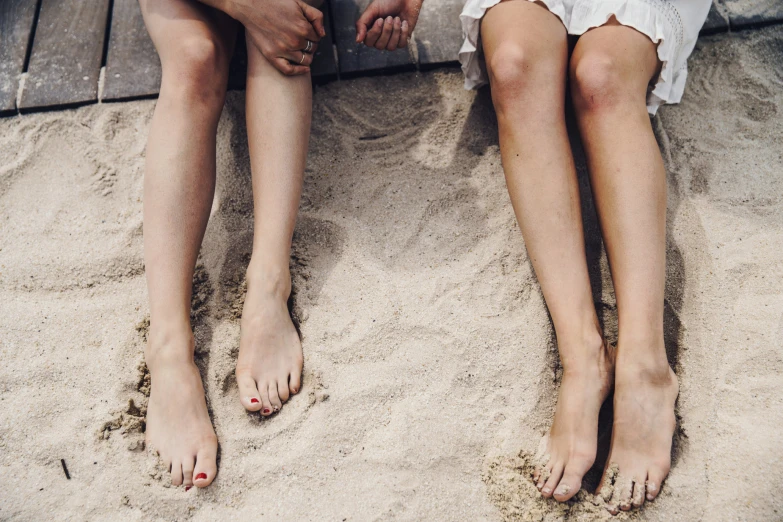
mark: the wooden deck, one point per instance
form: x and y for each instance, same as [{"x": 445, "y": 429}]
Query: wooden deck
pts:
[{"x": 64, "y": 53}]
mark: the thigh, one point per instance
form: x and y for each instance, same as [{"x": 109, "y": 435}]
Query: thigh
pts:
[
  {"x": 176, "y": 26},
  {"x": 629, "y": 56},
  {"x": 528, "y": 27}
]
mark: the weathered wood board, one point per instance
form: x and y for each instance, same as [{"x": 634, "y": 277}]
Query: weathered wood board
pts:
[
  {"x": 438, "y": 33},
  {"x": 65, "y": 61},
  {"x": 744, "y": 12},
  {"x": 353, "y": 57},
  {"x": 16, "y": 26},
  {"x": 717, "y": 19},
  {"x": 132, "y": 64}
]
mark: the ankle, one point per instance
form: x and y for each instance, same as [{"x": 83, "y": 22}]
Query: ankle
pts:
[
  {"x": 172, "y": 342},
  {"x": 581, "y": 349},
  {"x": 643, "y": 358},
  {"x": 269, "y": 280}
]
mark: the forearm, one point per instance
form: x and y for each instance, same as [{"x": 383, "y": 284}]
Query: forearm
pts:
[{"x": 227, "y": 6}]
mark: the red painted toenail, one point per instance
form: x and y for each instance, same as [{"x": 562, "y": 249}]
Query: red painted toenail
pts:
[
  {"x": 201, "y": 476},
  {"x": 187, "y": 488},
  {"x": 253, "y": 400},
  {"x": 266, "y": 410}
]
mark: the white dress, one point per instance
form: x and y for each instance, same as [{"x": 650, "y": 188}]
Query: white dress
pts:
[{"x": 672, "y": 24}]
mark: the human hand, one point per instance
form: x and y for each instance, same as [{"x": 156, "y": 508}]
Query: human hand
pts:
[
  {"x": 388, "y": 24},
  {"x": 285, "y": 31}
]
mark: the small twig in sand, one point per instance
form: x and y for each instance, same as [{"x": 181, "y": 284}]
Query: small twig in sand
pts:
[{"x": 65, "y": 469}]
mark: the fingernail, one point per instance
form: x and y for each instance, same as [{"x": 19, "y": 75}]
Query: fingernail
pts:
[
  {"x": 187, "y": 488},
  {"x": 253, "y": 400},
  {"x": 201, "y": 476}
]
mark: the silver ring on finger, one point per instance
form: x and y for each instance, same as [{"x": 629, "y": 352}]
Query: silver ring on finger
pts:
[
  {"x": 302, "y": 60},
  {"x": 308, "y": 47}
]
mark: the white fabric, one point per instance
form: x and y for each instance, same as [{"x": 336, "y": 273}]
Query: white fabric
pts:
[{"x": 672, "y": 24}]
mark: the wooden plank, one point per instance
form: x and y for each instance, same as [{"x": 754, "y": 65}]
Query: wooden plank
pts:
[
  {"x": 132, "y": 64},
  {"x": 717, "y": 19},
  {"x": 324, "y": 65},
  {"x": 353, "y": 57},
  {"x": 65, "y": 61},
  {"x": 438, "y": 33},
  {"x": 16, "y": 24},
  {"x": 744, "y": 13}
]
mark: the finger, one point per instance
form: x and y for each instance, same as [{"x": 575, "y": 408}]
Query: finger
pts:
[
  {"x": 316, "y": 19},
  {"x": 405, "y": 34},
  {"x": 395, "y": 36},
  {"x": 285, "y": 67},
  {"x": 299, "y": 58},
  {"x": 365, "y": 21},
  {"x": 383, "y": 40},
  {"x": 374, "y": 33}
]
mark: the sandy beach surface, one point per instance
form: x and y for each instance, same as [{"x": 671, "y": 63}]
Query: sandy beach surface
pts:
[{"x": 430, "y": 367}]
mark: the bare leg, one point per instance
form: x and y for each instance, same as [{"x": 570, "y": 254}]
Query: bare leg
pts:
[
  {"x": 195, "y": 45},
  {"x": 279, "y": 109},
  {"x": 527, "y": 69},
  {"x": 610, "y": 70}
]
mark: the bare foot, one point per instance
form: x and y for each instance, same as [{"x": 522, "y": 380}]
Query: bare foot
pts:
[
  {"x": 269, "y": 366},
  {"x": 178, "y": 424},
  {"x": 644, "y": 423},
  {"x": 570, "y": 447}
]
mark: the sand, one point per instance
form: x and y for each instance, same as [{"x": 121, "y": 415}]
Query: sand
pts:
[{"x": 430, "y": 368}]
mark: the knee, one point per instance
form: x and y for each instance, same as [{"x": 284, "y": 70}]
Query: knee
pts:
[
  {"x": 518, "y": 74},
  {"x": 196, "y": 74},
  {"x": 598, "y": 81}
]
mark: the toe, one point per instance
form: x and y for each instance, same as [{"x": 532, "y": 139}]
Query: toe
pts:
[
  {"x": 655, "y": 478},
  {"x": 283, "y": 391},
  {"x": 637, "y": 498},
  {"x": 569, "y": 485},
  {"x": 176, "y": 473},
  {"x": 274, "y": 399},
  {"x": 266, "y": 405},
  {"x": 543, "y": 473},
  {"x": 187, "y": 471},
  {"x": 623, "y": 490},
  {"x": 553, "y": 480},
  {"x": 206, "y": 467},
  {"x": 248, "y": 392},
  {"x": 295, "y": 382}
]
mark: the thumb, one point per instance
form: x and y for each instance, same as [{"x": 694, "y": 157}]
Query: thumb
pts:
[
  {"x": 315, "y": 17},
  {"x": 368, "y": 17}
]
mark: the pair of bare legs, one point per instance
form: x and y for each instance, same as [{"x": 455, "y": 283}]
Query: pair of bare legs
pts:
[
  {"x": 610, "y": 68},
  {"x": 195, "y": 44}
]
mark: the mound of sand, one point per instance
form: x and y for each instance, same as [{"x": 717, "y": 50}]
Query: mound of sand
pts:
[{"x": 430, "y": 367}]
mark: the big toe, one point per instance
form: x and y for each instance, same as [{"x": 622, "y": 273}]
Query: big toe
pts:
[
  {"x": 570, "y": 483},
  {"x": 655, "y": 478},
  {"x": 248, "y": 392},
  {"x": 206, "y": 467}
]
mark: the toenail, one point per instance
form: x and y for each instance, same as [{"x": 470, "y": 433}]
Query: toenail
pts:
[
  {"x": 546, "y": 490},
  {"x": 201, "y": 476},
  {"x": 266, "y": 410},
  {"x": 187, "y": 488},
  {"x": 253, "y": 400},
  {"x": 562, "y": 490},
  {"x": 276, "y": 408}
]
